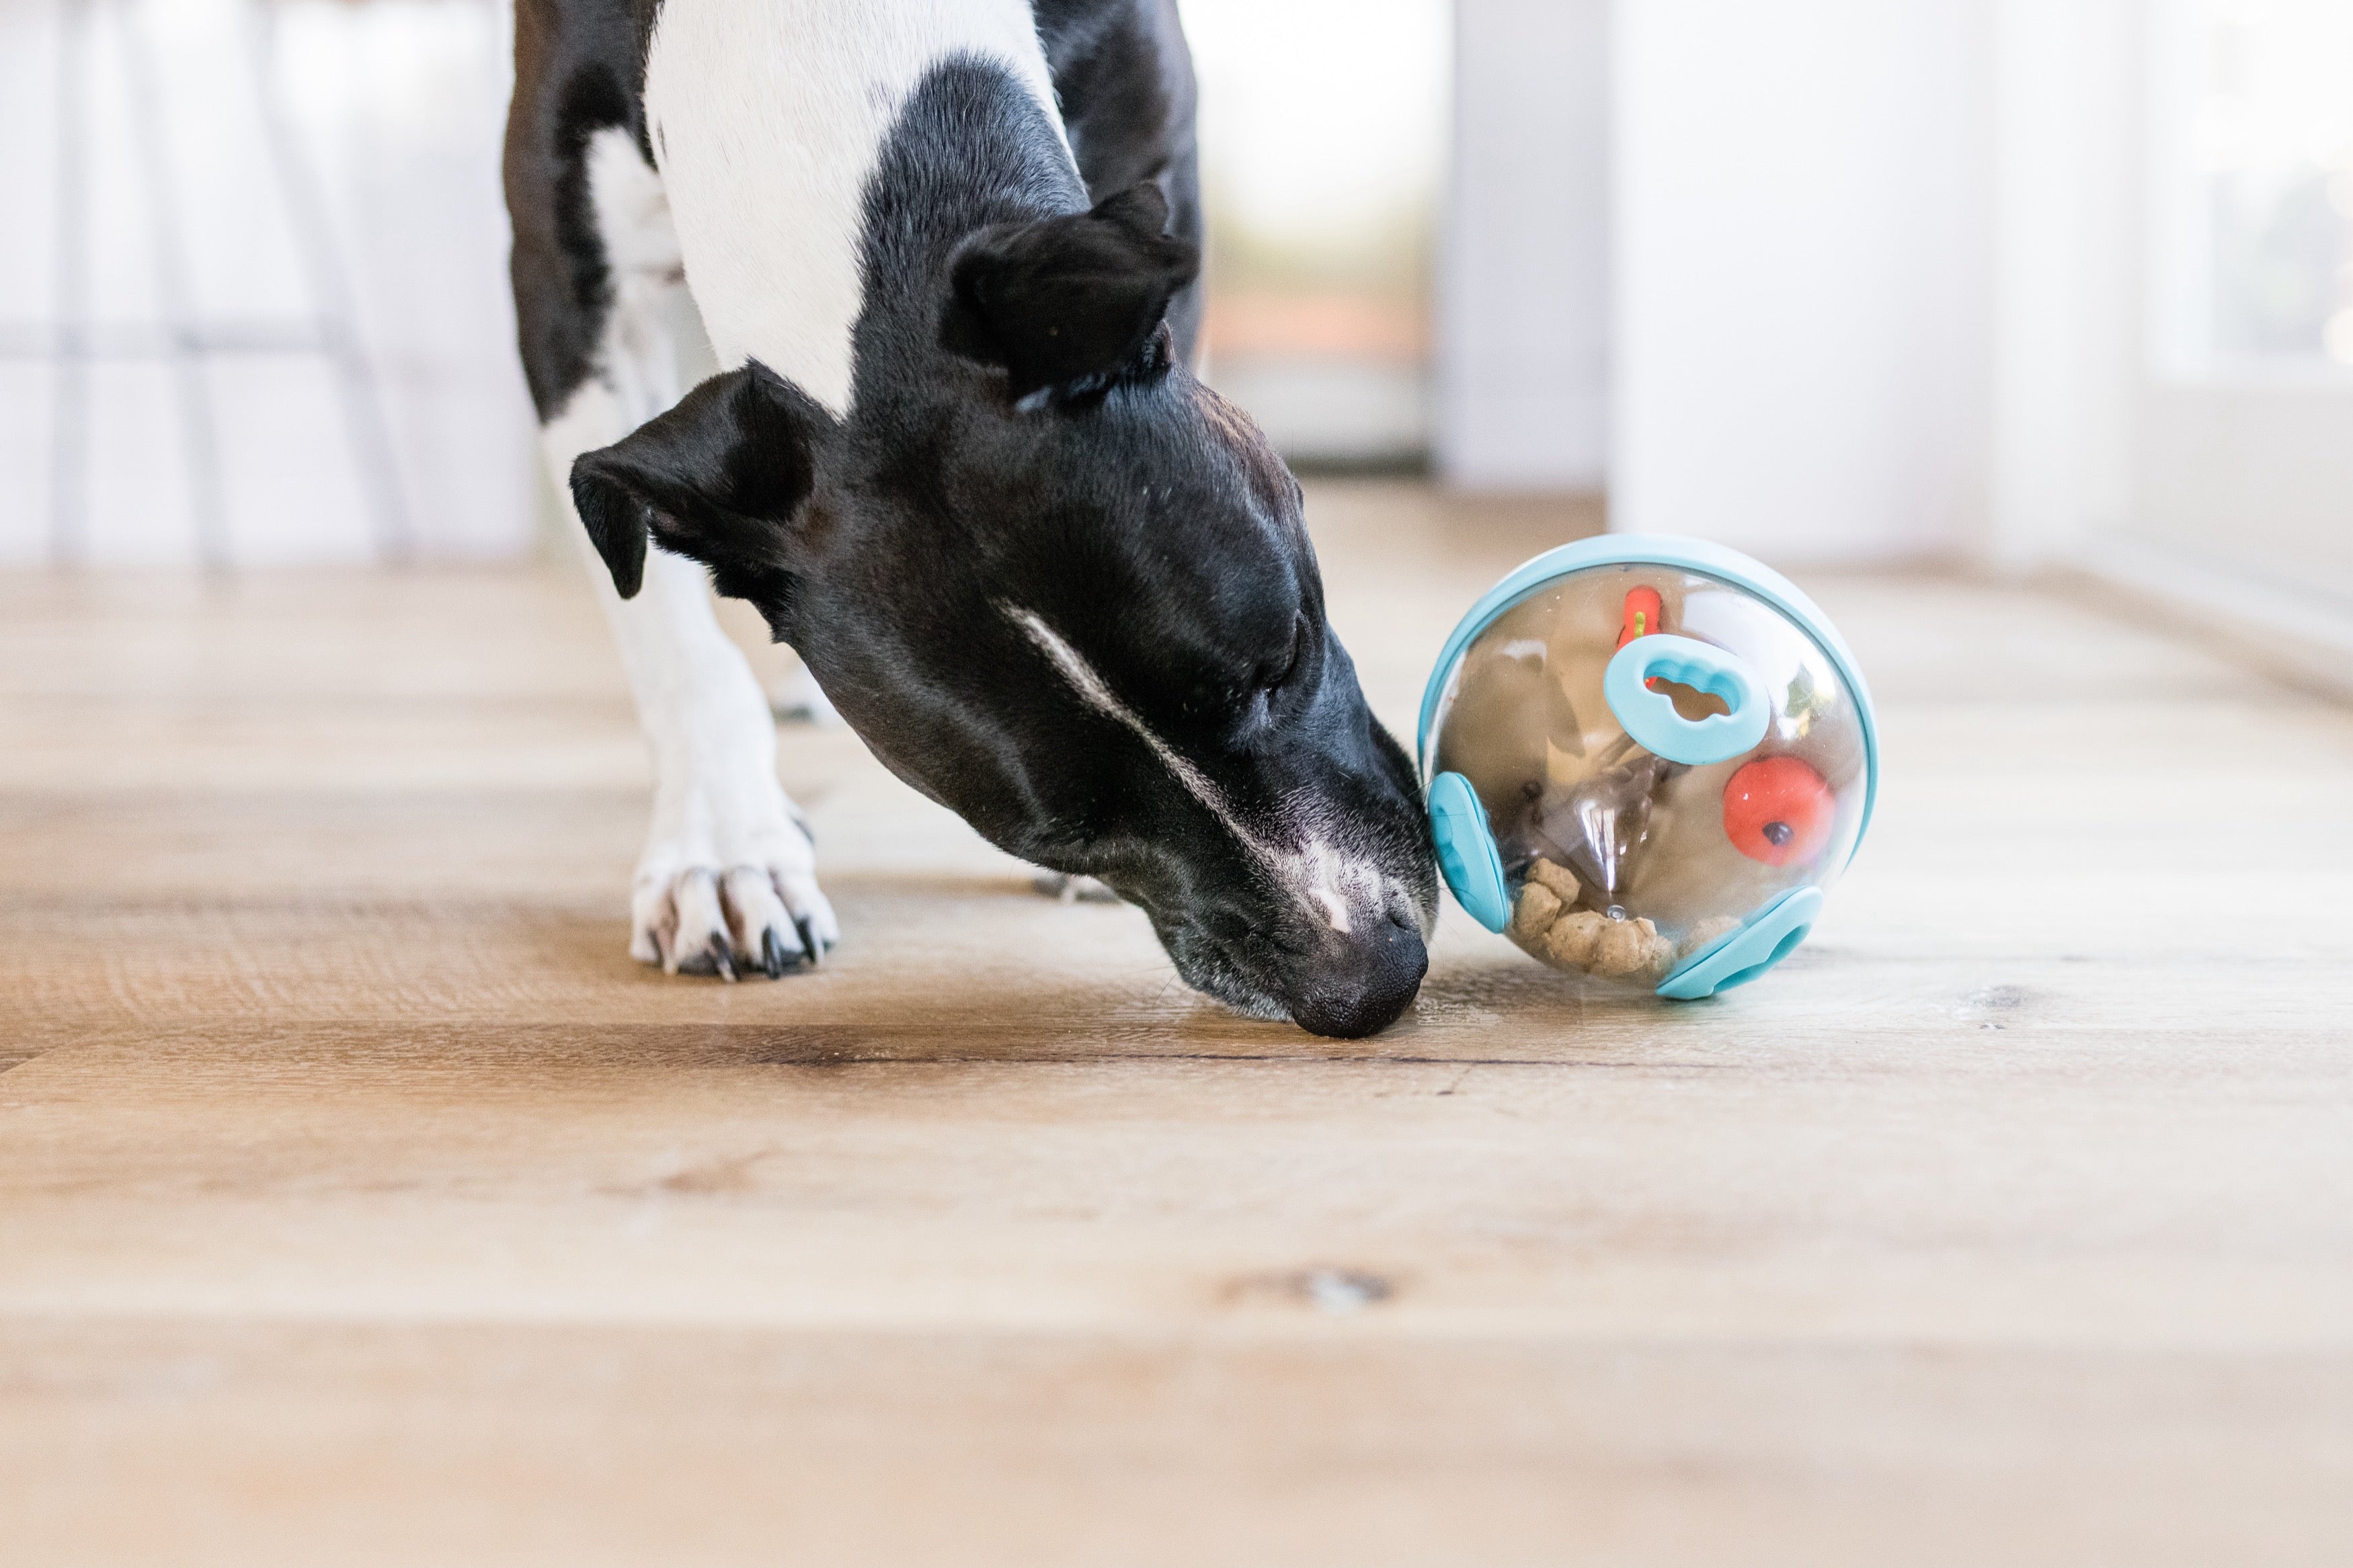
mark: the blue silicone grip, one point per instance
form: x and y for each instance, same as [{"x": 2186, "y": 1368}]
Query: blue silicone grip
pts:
[{"x": 1467, "y": 855}]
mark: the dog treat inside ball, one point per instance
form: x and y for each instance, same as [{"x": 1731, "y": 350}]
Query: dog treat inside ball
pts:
[
  {"x": 1605, "y": 942},
  {"x": 1656, "y": 756}
]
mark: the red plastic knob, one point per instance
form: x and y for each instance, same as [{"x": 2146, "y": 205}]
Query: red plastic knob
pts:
[
  {"x": 1642, "y": 614},
  {"x": 1779, "y": 810}
]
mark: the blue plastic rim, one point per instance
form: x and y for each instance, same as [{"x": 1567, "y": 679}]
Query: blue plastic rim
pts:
[{"x": 1697, "y": 556}]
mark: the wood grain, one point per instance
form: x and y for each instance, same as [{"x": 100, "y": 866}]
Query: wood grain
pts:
[{"x": 361, "y": 1202}]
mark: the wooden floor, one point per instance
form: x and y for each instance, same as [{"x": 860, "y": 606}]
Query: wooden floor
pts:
[{"x": 362, "y": 1203}]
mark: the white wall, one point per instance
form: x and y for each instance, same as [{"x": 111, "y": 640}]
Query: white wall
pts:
[
  {"x": 1800, "y": 273},
  {"x": 1902, "y": 278},
  {"x": 2064, "y": 291},
  {"x": 1522, "y": 299}
]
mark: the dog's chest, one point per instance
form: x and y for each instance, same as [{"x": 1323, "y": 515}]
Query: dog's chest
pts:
[{"x": 768, "y": 117}]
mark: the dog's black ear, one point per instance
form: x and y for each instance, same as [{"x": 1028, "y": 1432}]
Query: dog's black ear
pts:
[
  {"x": 717, "y": 478},
  {"x": 1068, "y": 298}
]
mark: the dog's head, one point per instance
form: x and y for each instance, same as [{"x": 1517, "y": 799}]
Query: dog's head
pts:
[{"x": 1062, "y": 588}]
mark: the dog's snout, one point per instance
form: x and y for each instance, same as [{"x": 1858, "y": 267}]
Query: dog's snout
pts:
[{"x": 1353, "y": 986}]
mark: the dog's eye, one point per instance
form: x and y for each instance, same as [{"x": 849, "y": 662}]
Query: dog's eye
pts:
[
  {"x": 1276, "y": 676},
  {"x": 1243, "y": 696}
]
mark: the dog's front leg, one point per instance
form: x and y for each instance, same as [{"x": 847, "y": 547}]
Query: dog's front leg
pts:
[{"x": 728, "y": 880}]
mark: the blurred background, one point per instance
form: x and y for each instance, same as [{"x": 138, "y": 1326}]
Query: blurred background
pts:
[{"x": 2022, "y": 284}]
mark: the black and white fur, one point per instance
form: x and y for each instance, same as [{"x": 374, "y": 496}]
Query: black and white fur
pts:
[{"x": 962, "y": 466}]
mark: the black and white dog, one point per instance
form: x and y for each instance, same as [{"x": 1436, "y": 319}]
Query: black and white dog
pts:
[{"x": 963, "y": 468}]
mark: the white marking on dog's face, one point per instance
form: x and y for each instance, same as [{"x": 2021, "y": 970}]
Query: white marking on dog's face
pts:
[{"x": 1337, "y": 888}]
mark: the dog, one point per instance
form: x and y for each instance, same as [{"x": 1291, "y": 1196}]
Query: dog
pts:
[{"x": 950, "y": 249}]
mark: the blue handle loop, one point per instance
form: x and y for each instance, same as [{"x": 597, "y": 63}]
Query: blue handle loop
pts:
[{"x": 1650, "y": 717}]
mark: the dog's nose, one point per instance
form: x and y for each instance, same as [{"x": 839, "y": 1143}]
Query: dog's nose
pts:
[{"x": 1356, "y": 986}]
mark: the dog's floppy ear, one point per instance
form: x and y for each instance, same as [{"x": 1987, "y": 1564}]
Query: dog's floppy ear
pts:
[
  {"x": 1067, "y": 298},
  {"x": 717, "y": 478}
]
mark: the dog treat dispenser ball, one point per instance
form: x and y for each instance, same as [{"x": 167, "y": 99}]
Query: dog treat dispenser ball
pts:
[{"x": 1647, "y": 760}]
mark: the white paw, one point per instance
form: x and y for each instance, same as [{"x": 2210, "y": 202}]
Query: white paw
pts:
[{"x": 761, "y": 912}]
